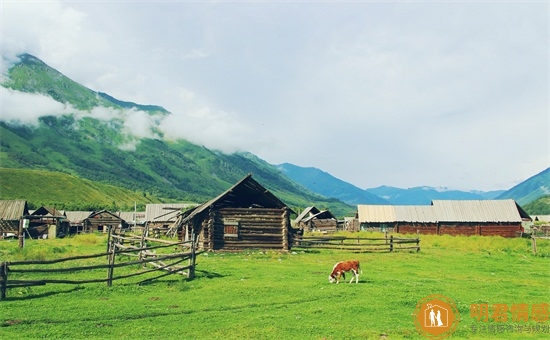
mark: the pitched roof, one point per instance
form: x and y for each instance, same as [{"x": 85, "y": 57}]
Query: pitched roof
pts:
[
  {"x": 478, "y": 211},
  {"x": 164, "y": 211},
  {"x": 246, "y": 193},
  {"x": 376, "y": 213},
  {"x": 131, "y": 216},
  {"x": 13, "y": 209},
  {"x": 48, "y": 211},
  {"x": 307, "y": 212},
  {"x": 77, "y": 216}
]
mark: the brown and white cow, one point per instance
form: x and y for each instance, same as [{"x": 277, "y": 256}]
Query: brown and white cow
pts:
[{"x": 342, "y": 267}]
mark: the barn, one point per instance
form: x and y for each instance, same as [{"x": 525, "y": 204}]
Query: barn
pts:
[
  {"x": 313, "y": 219},
  {"x": 245, "y": 216},
  {"x": 448, "y": 217},
  {"x": 11, "y": 214}
]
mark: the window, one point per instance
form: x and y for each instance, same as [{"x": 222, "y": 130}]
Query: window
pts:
[{"x": 230, "y": 228}]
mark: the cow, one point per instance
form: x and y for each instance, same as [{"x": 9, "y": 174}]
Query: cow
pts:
[{"x": 342, "y": 267}]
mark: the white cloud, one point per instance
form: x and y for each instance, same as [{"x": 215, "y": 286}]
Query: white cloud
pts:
[{"x": 26, "y": 108}]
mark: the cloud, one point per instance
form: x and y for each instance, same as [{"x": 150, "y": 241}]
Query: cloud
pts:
[
  {"x": 26, "y": 108},
  {"x": 402, "y": 94}
]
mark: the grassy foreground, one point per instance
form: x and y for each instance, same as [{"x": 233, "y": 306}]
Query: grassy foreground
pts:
[{"x": 271, "y": 295}]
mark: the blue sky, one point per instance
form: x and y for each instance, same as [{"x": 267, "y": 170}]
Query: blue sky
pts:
[{"x": 436, "y": 93}]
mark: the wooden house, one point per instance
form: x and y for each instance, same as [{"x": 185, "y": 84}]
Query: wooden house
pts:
[
  {"x": 47, "y": 222},
  {"x": 160, "y": 217},
  {"x": 313, "y": 219},
  {"x": 245, "y": 216},
  {"x": 447, "y": 217},
  {"x": 11, "y": 215},
  {"x": 95, "y": 221}
]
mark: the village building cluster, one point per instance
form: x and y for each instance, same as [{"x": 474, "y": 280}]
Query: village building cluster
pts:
[{"x": 247, "y": 215}]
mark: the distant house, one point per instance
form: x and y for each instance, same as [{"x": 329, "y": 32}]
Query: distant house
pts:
[
  {"x": 94, "y": 221},
  {"x": 11, "y": 214},
  {"x": 448, "y": 217},
  {"x": 132, "y": 218},
  {"x": 313, "y": 219},
  {"x": 47, "y": 222},
  {"x": 162, "y": 216},
  {"x": 245, "y": 216}
]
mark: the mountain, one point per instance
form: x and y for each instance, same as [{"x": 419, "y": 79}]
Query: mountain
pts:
[
  {"x": 48, "y": 188},
  {"x": 83, "y": 144},
  {"x": 424, "y": 195},
  {"x": 327, "y": 185},
  {"x": 540, "y": 206},
  {"x": 530, "y": 189}
]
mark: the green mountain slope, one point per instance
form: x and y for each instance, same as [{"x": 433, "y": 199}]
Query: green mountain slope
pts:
[
  {"x": 530, "y": 189},
  {"x": 66, "y": 192},
  {"x": 94, "y": 149},
  {"x": 540, "y": 206}
]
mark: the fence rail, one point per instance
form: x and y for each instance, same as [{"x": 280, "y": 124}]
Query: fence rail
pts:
[
  {"x": 117, "y": 245},
  {"x": 357, "y": 244}
]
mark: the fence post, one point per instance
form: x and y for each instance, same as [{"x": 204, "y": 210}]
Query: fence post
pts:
[
  {"x": 3, "y": 279},
  {"x": 21, "y": 235},
  {"x": 111, "y": 267},
  {"x": 192, "y": 258},
  {"x": 391, "y": 243},
  {"x": 109, "y": 246},
  {"x": 417, "y": 244}
]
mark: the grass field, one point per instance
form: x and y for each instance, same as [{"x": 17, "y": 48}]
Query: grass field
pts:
[{"x": 272, "y": 295}]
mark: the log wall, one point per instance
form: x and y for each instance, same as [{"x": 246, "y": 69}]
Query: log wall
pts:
[
  {"x": 462, "y": 228},
  {"x": 238, "y": 228}
]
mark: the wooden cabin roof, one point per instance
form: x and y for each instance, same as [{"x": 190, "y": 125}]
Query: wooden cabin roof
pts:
[
  {"x": 48, "y": 211},
  {"x": 247, "y": 193},
  {"x": 11, "y": 210},
  {"x": 164, "y": 212},
  {"x": 77, "y": 216}
]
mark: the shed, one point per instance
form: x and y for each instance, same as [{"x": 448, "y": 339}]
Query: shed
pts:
[
  {"x": 11, "y": 214},
  {"x": 245, "y": 216},
  {"x": 313, "y": 219}
]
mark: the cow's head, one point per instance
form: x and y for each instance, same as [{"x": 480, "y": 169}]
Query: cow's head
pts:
[{"x": 331, "y": 279}]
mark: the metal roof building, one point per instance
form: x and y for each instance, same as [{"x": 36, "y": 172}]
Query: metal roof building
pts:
[{"x": 470, "y": 217}]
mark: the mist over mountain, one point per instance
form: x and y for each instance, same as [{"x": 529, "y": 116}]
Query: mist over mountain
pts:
[{"x": 50, "y": 122}]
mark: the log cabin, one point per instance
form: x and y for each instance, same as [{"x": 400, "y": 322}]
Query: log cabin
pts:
[{"x": 246, "y": 216}]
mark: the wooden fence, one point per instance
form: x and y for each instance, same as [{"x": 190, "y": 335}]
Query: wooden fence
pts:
[
  {"x": 118, "y": 244},
  {"x": 534, "y": 242},
  {"x": 357, "y": 244}
]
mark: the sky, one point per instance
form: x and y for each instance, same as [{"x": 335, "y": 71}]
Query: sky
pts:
[{"x": 448, "y": 94}]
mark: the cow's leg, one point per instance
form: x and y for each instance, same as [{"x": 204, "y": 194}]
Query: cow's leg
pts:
[
  {"x": 338, "y": 277},
  {"x": 355, "y": 276}
]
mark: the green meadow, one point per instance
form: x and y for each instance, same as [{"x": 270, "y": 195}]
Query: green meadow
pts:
[{"x": 279, "y": 295}]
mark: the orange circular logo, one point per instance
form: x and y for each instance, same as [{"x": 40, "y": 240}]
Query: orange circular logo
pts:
[{"x": 436, "y": 316}]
